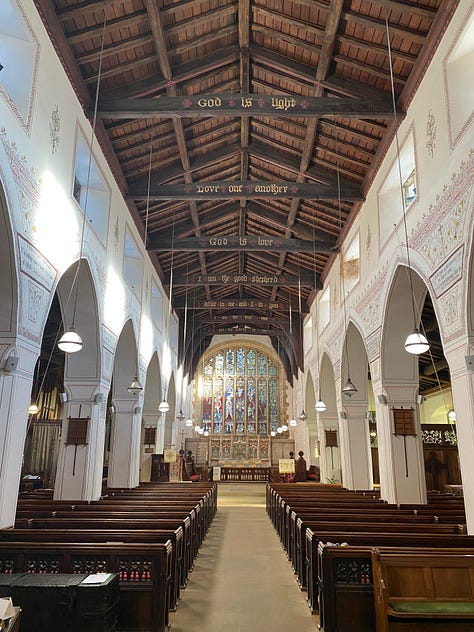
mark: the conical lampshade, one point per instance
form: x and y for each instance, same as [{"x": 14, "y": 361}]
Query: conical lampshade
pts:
[
  {"x": 349, "y": 387},
  {"x": 135, "y": 387}
]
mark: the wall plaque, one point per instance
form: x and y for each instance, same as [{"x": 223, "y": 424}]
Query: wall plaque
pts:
[{"x": 448, "y": 274}]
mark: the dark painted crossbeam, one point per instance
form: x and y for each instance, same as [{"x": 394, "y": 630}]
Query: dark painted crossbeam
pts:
[
  {"x": 247, "y": 330},
  {"x": 251, "y": 105},
  {"x": 242, "y": 243},
  {"x": 251, "y": 319},
  {"x": 244, "y": 189},
  {"x": 234, "y": 304},
  {"x": 258, "y": 280}
]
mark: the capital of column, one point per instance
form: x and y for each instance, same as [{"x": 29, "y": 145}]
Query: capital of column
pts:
[{"x": 402, "y": 393}]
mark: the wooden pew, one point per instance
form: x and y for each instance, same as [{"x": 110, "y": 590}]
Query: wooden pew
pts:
[
  {"x": 176, "y": 515},
  {"x": 143, "y": 571},
  {"x": 126, "y": 522},
  {"x": 96, "y": 535},
  {"x": 423, "y": 591},
  {"x": 340, "y": 577},
  {"x": 291, "y": 507},
  {"x": 297, "y": 535},
  {"x": 178, "y": 502}
]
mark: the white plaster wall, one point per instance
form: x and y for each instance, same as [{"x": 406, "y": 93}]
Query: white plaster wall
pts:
[
  {"x": 47, "y": 222},
  {"x": 444, "y": 182}
]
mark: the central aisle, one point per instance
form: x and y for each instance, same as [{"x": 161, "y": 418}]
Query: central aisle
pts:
[{"x": 242, "y": 580}]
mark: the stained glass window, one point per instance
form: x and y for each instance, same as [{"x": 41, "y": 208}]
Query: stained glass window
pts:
[
  {"x": 251, "y": 362},
  {"x": 250, "y": 406},
  {"x": 219, "y": 364},
  {"x": 218, "y": 403},
  {"x": 229, "y": 405},
  {"x": 229, "y": 362},
  {"x": 273, "y": 404},
  {"x": 240, "y": 402},
  {"x": 240, "y": 364},
  {"x": 241, "y": 392},
  {"x": 262, "y": 406}
]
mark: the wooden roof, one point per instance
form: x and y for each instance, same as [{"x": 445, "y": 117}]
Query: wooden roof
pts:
[{"x": 244, "y": 119}]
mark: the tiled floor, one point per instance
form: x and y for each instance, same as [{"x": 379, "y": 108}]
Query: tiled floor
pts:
[{"x": 242, "y": 581}]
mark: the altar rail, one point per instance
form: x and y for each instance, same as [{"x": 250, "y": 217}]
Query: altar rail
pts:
[{"x": 245, "y": 474}]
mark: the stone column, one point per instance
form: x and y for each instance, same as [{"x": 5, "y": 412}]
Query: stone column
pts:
[
  {"x": 160, "y": 434},
  {"x": 80, "y": 467},
  {"x": 124, "y": 462},
  {"x": 329, "y": 458},
  {"x": 15, "y": 390},
  {"x": 149, "y": 419},
  {"x": 401, "y": 462},
  {"x": 356, "y": 459},
  {"x": 461, "y": 364}
]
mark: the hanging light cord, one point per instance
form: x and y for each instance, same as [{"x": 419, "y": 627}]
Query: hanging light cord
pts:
[
  {"x": 400, "y": 177},
  {"x": 89, "y": 168},
  {"x": 185, "y": 327},
  {"x": 148, "y": 194},
  {"x": 317, "y": 327},
  {"x": 343, "y": 284}
]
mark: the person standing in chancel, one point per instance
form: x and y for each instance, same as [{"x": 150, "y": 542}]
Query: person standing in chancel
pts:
[
  {"x": 181, "y": 468},
  {"x": 300, "y": 469}
]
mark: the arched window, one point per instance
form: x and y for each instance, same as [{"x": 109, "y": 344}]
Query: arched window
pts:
[{"x": 242, "y": 390}]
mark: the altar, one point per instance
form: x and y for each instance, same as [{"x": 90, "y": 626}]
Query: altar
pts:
[{"x": 235, "y": 451}]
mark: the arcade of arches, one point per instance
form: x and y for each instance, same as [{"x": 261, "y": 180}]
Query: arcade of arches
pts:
[{"x": 394, "y": 431}]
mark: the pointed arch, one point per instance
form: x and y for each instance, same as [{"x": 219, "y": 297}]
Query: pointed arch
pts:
[
  {"x": 8, "y": 273},
  {"x": 78, "y": 301},
  {"x": 398, "y": 322},
  {"x": 354, "y": 362},
  {"x": 125, "y": 360}
]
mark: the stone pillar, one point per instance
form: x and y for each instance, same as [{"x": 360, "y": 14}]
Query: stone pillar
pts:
[
  {"x": 15, "y": 391},
  {"x": 329, "y": 458},
  {"x": 401, "y": 462},
  {"x": 80, "y": 467},
  {"x": 160, "y": 434},
  {"x": 149, "y": 419},
  {"x": 124, "y": 461},
  {"x": 356, "y": 459},
  {"x": 462, "y": 385},
  {"x": 312, "y": 438}
]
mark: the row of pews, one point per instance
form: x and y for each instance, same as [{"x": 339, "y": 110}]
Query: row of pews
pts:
[
  {"x": 149, "y": 536},
  {"x": 338, "y": 541}
]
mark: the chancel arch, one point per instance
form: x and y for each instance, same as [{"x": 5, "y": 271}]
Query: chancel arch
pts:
[
  {"x": 240, "y": 406},
  {"x": 241, "y": 389}
]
